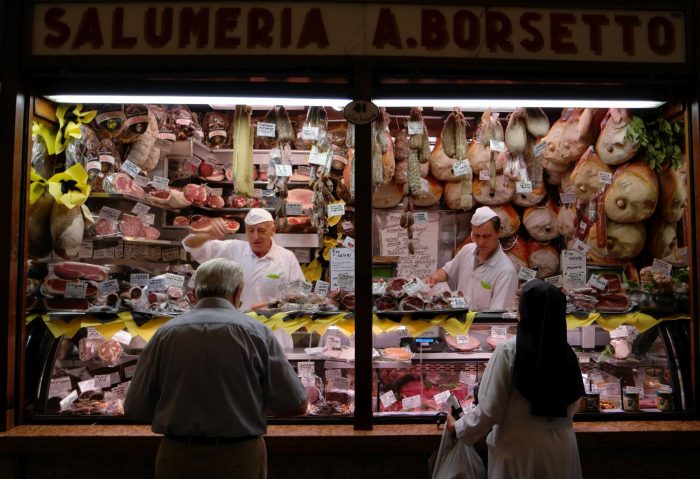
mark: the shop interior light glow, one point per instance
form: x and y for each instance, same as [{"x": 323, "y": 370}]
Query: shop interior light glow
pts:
[
  {"x": 219, "y": 101},
  {"x": 478, "y": 104}
]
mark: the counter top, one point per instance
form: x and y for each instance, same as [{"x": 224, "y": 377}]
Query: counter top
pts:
[{"x": 29, "y": 439}]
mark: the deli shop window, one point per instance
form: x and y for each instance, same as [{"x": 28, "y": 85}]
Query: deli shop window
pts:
[
  {"x": 115, "y": 188},
  {"x": 593, "y": 199}
]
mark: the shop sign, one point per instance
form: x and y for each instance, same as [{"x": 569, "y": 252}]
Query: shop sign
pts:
[{"x": 358, "y": 29}]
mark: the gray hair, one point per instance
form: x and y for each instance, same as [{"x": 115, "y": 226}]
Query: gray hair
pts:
[{"x": 218, "y": 277}]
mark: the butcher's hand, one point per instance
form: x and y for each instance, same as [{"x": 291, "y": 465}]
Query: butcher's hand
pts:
[
  {"x": 450, "y": 425},
  {"x": 437, "y": 277},
  {"x": 217, "y": 229}
]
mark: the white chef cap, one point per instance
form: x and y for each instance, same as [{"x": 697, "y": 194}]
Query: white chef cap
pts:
[
  {"x": 256, "y": 216},
  {"x": 482, "y": 215}
]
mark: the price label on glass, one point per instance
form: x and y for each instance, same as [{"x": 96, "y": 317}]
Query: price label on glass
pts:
[
  {"x": 140, "y": 209},
  {"x": 523, "y": 186},
  {"x": 661, "y": 267},
  {"x": 497, "y": 145},
  {"x": 539, "y": 148},
  {"x": 85, "y": 249},
  {"x": 102, "y": 381},
  {"x": 556, "y": 281},
  {"x": 462, "y": 339},
  {"x": 147, "y": 218},
  {"x": 484, "y": 175},
  {"x": 87, "y": 385},
  {"x": 387, "y": 399},
  {"x": 441, "y": 398},
  {"x": 336, "y": 209},
  {"x": 499, "y": 332},
  {"x": 139, "y": 279},
  {"x": 333, "y": 342},
  {"x": 321, "y": 288},
  {"x": 75, "y": 290},
  {"x": 420, "y": 217},
  {"x": 160, "y": 183},
  {"x": 318, "y": 158},
  {"x": 619, "y": 332},
  {"x": 604, "y": 177},
  {"x": 266, "y": 130},
  {"x": 283, "y": 170},
  {"x": 567, "y": 198},
  {"x": 458, "y": 303},
  {"x": 106, "y": 287},
  {"x": 412, "y": 402},
  {"x": 461, "y": 168},
  {"x": 130, "y": 169},
  {"x": 93, "y": 333},
  {"x": 349, "y": 242},
  {"x": 467, "y": 378},
  {"x": 413, "y": 286},
  {"x": 293, "y": 209},
  {"x": 598, "y": 282},
  {"x": 156, "y": 284},
  {"x": 309, "y": 133},
  {"x": 526, "y": 274},
  {"x": 68, "y": 400},
  {"x": 346, "y": 281},
  {"x": 110, "y": 214},
  {"x": 141, "y": 180},
  {"x": 306, "y": 368},
  {"x": 176, "y": 280},
  {"x": 339, "y": 383},
  {"x": 60, "y": 387},
  {"x": 303, "y": 254},
  {"x": 122, "y": 337},
  {"x": 306, "y": 287},
  {"x": 378, "y": 288},
  {"x": 415, "y": 127}
]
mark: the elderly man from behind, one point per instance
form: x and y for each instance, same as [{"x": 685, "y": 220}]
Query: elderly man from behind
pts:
[{"x": 208, "y": 378}]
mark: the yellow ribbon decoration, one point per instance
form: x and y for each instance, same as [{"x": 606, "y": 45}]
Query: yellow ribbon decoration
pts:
[
  {"x": 59, "y": 328},
  {"x": 312, "y": 271},
  {"x": 70, "y": 187},
  {"x": 48, "y": 135},
  {"x": 346, "y": 326},
  {"x": 328, "y": 244},
  {"x": 293, "y": 325},
  {"x": 147, "y": 329},
  {"x": 70, "y": 117},
  {"x": 321, "y": 325},
  {"x": 640, "y": 321},
  {"x": 37, "y": 187}
]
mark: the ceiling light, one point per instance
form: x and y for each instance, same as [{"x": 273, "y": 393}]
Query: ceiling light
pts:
[
  {"x": 219, "y": 101},
  {"x": 512, "y": 104}
]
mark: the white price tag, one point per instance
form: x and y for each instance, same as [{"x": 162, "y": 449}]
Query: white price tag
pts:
[
  {"x": 85, "y": 249},
  {"x": 336, "y": 209},
  {"x": 433, "y": 332},
  {"x": 567, "y": 198},
  {"x": 293, "y": 209},
  {"x": 141, "y": 180},
  {"x": 215, "y": 191},
  {"x": 107, "y": 159},
  {"x": 379, "y": 288},
  {"x": 460, "y": 168},
  {"x": 309, "y": 133},
  {"x": 420, "y": 217},
  {"x": 523, "y": 186},
  {"x": 467, "y": 378},
  {"x": 93, "y": 333},
  {"x": 346, "y": 281},
  {"x": 75, "y": 290},
  {"x": 303, "y": 255},
  {"x": 308, "y": 381},
  {"x": 318, "y": 158},
  {"x": 556, "y": 281},
  {"x": 294, "y": 286},
  {"x": 59, "y": 387},
  {"x": 321, "y": 288},
  {"x": 139, "y": 279},
  {"x": 497, "y": 145},
  {"x": 415, "y": 127},
  {"x": 413, "y": 286},
  {"x": 402, "y": 332},
  {"x": 499, "y": 332},
  {"x": 147, "y": 219},
  {"x": 441, "y": 398},
  {"x": 539, "y": 148},
  {"x": 266, "y": 130},
  {"x": 129, "y": 371},
  {"x": 106, "y": 287},
  {"x": 103, "y": 253},
  {"x": 484, "y": 175},
  {"x": 283, "y": 170},
  {"x": 333, "y": 342},
  {"x": 156, "y": 284},
  {"x": 170, "y": 254},
  {"x": 120, "y": 391},
  {"x": 604, "y": 177},
  {"x": 661, "y": 267},
  {"x": 581, "y": 247},
  {"x": 527, "y": 274},
  {"x": 462, "y": 339},
  {"x": 140, "y": 209},
  {"x": 313, "y": 351},
  {"x": 102, "y": 381},
  {"x": 130, "y": 169},
  {"x": 409, "y": 403},
  {"x": 458, "y": 302},
  {"x": 68, "y": 400},
  {"x": 339, "y": 384},
  {"x": 619, "y": 332},
  {"x": 633, "y": 389},
  {"x": 598, "y": 282},
  {"x": 110, "y": 214},
  {"x": 160, "y": 183},
  {"x": 257, "y": 193},
  {"x": 122, "y": 337},
  {"x": 175, "y": 280},
  {"x": 306, "y": 287},
  {"x": 332, "y": 374},
  {"x": 349, "y": 242},
  {"x": 87, "y": 385},
  {"x": 387, "y": 399},
  {"x": 306, "y": 368}
]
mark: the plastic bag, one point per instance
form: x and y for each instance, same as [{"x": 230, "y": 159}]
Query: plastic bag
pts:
[{"x": 457, "y": 460}]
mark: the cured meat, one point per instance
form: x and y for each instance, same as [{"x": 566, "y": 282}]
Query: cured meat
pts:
[
  {"x": 479, "y": 157},
  {"x": 396, "y": 287},
  {"x": 40, "y": 243},
  {"x": 177, "y": 199},
  {"x": 105, "y": 227},
  {"x": 452, "y": 195},
  {"x": 215, "y": 202},
  {"x": 503, "y": 193},
  {"x": 673, "y": 195},
  {"x": 349, "y": 301},
  {"x": 143, "y": 152},
  {"x": 388, "y": 196},
  {"x": 532, "y": 198},
  {"x": 633, "y": 194},
  {"x": 611, "y": 145},
  {"x": 516, "y": 133},
  {"x": 57, "y": 286},
  {"x": 181, "y": 221},
  {"x": 301, "y": 196},
  {"x": 544, "y": 258},
  {"x": 541, "y": 222},
  {"x": 570, "y": 135},
  {"x": 612, "y": 302},
  {"x": 67, "y": 228},
  {"x": 441, "y": 164},
  {"x": 243, "y": 150},
  {"x": 566, "y": 219},
  {"x": 516, "y": 250},
  {"x": 385, "y": 303},
  {"x": 469, "y": 343},
  {"x": 510, "y": 221},
  {"x": 195, "y": 193},
  {"x": 201, "y": 223},
  {"x": 536, "y": 122},
  {"x": 157, "y": 297},
  {"x": 136, "y": 122},
  {"x": 76, "y": 270},
  {"x": 109, "y": 351},
  {"x": 622, "y": 346},
  {"x": 151, "y": 233},
  {"x": 430, "y": 194},
  {"x": 397, "y": 354},
  {"x": 66, "y": 304},
  {"x": 624, "y": 240},
  {"x": 585, "y": 178},
  {"x": 662, "y": 237},
  {"x": 401, "y": 146},
  {"x": 205, "y": 169}
]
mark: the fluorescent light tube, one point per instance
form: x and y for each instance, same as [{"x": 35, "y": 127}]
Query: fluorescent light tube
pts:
[
  {"x": 199, "y": 100},
  {"x": 511, "y": 104}
]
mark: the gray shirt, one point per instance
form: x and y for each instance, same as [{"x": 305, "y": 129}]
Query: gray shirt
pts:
[{"x": 212, "y": 372}]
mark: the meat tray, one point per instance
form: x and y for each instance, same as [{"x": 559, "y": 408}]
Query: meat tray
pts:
[
  {"x": 427, "y": 313},
  {"x": 228, "y": 210}
]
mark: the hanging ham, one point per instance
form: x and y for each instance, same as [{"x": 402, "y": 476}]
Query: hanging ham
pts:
[
  {"x": 544, "y": 258},
  {"x": 510, "y": 221},
  {"x": 585, "y": 179},
  {"x": 673, "y": 195},
  {"x": 486, "y": 195},
  {"x": 541, "y": 221},
  {"x": 633, "y": 194},
  {"x": 612, "y": 146},
  {"x": 624, "y": 240}
]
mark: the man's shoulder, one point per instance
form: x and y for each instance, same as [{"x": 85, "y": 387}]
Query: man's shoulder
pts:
[
  {"x": 231, "y": 317},
  {"x": 504, "y": 262}
]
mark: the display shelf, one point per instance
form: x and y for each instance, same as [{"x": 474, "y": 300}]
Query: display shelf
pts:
[
  {"x": 224, "y": 156},
  {"x": 118, "y": 196},
  {"x": 131, "y": 239},
  {"x": 228, "y": 210},
  {"x": 76, "y": 363}
]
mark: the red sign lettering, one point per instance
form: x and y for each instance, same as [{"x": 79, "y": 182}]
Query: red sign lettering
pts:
[
  {"x": 433, "y": 29},
  {"x": 498, "y": 31},
  {"x": 226, "y": 21},
  {"x": 52, "y": 20},
  {"x": 154, "y": 38},
  {"x": 89, "y": 31},
  {"x": 260, "y": 23},
  {"x": 196, "y": 24},
  {"x": 595, "y": 24},
  {"x": 286, "y": 28},
  {"x": 387, "y": 30},
  {"x": 536, "y": 43},
  {"x": 662, "y": 36},
  {"x": 118, "y": 38},
  {"x": 470, "y": 40},
  {"x": 313, "y": 30},
  {"x": 559, "y": 32},
  {"x": 628, "y": 24}
]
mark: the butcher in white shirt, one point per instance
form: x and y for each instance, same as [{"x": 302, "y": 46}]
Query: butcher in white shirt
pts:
[
  {"x": 481, "y": 270},
  {"x": 265, "y": 264}
]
